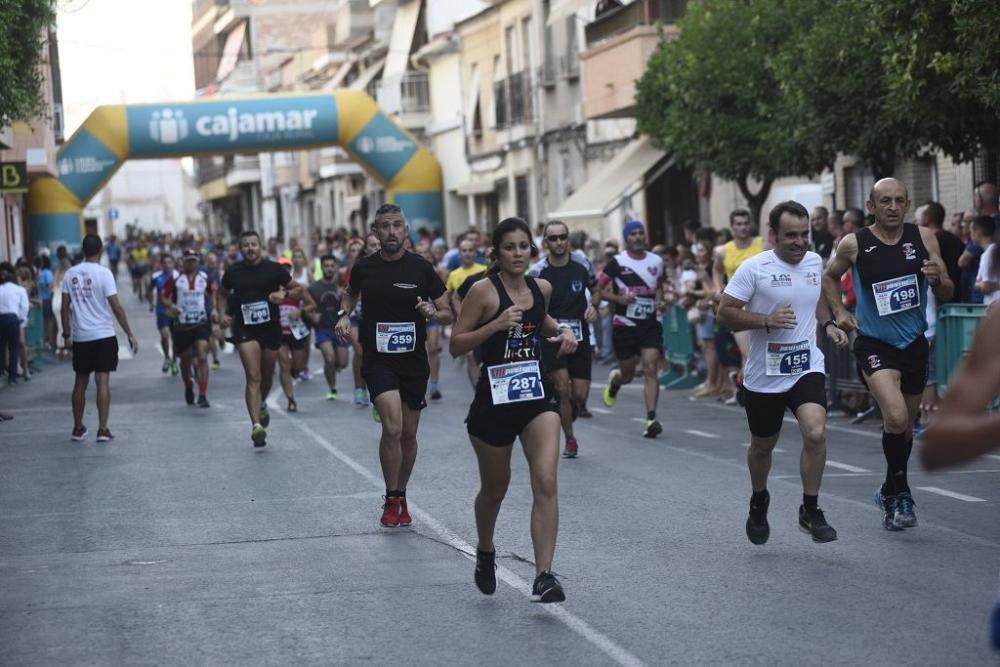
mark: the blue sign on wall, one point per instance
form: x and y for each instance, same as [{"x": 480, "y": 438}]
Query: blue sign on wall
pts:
[
  {"x": 84, "y": 163},
  {"x": 232, "y": 125}
]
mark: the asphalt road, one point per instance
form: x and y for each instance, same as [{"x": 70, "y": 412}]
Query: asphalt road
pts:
[{"x": 178, "y": 543}]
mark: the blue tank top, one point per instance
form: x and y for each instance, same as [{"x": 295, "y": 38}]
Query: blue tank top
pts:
[{"x": 892, "y": 291}]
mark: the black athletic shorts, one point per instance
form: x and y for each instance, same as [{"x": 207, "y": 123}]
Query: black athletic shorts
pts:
[
  {"x": 872, "y": 354},
  {"x": 765, "y": 412},
  {"x": 382, "y": 375},
  {"x": 96, "y": 356},
  {"x": 293, "y": 343},
  {"x": 628, "y": 341},
  {"x": 185, "y": 338},
  {"x": 269, "y": 337},
  {"x": 500, "y": 425},
  {"x": 577, "y": 363}
]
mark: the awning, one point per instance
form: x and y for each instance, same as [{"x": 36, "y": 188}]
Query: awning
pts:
[
  {"x": 603, "y": 192},
  {"x": 366, "y": 76},
  {"x": 231, "y": 52},
  {"x": 403, "y": 28},
  {"x": 560, "y": 9},
  {"x": 471, "y": 188},
  {"x": 339, "y": 169},
  {"x": 339, "y": 75}
]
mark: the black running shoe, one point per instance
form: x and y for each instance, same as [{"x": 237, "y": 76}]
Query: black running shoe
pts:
[
  {"x": 547, "y": 589},
  {"x": 814, "y": 523},
  {"x": 653, "y": 429},
  {"x": 888, "y": 506},
  {"x": 584, "y": 412},
  {"x": 486, "y": 575},
  {"x": 203, "y": 401},
  {"x": 189, "y": 395},
  {"x": 758, "y": 530},
  {"x": 436, "y": 395}
]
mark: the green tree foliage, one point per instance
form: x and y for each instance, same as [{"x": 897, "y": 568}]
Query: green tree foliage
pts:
[
  {"x": 713, "y": 97},
  {"x": 770, "y": 88},
  {"x": 22, "y": 29}
]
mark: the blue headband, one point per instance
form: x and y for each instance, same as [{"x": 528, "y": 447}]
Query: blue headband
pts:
[{"x": 632, "y": 226}]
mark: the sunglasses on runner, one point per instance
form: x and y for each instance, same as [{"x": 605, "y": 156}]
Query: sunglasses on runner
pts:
[{"x": 557, "y": 237}]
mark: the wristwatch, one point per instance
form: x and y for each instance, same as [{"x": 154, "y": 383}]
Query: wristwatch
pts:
[
  {"x": 828, "y": 323},
  {"x": 341, "y": 313}
]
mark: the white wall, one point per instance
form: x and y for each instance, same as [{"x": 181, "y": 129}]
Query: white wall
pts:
[{"x": 155, "y": 194}]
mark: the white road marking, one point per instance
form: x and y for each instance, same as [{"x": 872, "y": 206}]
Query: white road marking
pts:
[
  {"x": 700, "y": 434},
  {"x": 639, "y": 419},
  {"x": 845, "y": 466},
  {"x": 604, "y": 643},
  {"x": 600, "y": 411},
  {"x": 635, "y": 384},
  {"x": 951, "y": 494},
  {"x": 995, "y": 457}
]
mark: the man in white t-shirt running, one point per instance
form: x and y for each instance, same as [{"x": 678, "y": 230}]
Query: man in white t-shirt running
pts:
[
  {"x": 89, "y": 301},
  {"x": 780, "y": 291}
]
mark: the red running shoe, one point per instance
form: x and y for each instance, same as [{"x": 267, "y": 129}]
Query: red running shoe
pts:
[
  {"x": 404, "y": 513},
  {"x": 390, "y": 512},
  {"x": 571, "y": 449}
]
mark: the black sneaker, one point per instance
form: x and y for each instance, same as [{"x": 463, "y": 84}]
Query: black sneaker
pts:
[
  {"x": 814, "y": 523},
  {"x": 758, "y": 530},
  {"x": 888, "y": 506},
  {"x": 486, "y": 575},
  {"x": 78, "y": 434},
  {"x": 189, "y": 395},
  {"x": 584, "y": 412},
  {"x": 547, "y": 589},
  {"x": 203, "y": 401},
  {"x": 653, "y": 429}
]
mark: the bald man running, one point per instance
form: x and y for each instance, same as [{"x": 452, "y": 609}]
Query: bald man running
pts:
[{"x": 893, "y": 263}]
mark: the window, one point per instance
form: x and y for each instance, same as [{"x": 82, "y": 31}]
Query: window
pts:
[
  {"x": 858, "y": 182},
  {"x": 522, "y": 198},
  {"x": 530, "y": 58},
  {"x": 513, "y": 53},
  {"x": 986, "y": 166}
]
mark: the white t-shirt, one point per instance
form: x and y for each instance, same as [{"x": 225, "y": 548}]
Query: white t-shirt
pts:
[
  {"x": 985, "y": 262},
  {"x": 89, "y": 285},
  {"x": 777, "y": 360}
]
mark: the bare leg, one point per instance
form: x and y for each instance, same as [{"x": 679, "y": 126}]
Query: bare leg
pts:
[
  {"x": 103, "y": 382},
  {"x": 560, "y": 379},
  {"x": 285, "y": 372},
  {"x": 407, "y": 445},
  {"x": 540, "y": 440},
  {"x": 80, "y": 398},
  {"x": 759, "y": 459},
  {"x": 494, "y": 477},
  {"x": 250, "y": 357},
  {"x": 390, "y": 409},
  {"x": 651, "y": 387}
]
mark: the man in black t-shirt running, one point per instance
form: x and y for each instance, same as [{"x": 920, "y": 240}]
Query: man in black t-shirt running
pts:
[
  {"x": 250, "y": 294},
  {"x": 571, "y": 276},
  {"x": 400, "y": 292}
]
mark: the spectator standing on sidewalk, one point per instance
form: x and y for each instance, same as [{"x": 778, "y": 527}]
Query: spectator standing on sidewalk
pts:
[
  {"x": 13, "y": 312},
  {"x": 89, "y": 301}
]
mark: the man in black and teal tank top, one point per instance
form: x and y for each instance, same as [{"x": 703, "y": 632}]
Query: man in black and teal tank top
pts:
[{"x": 893, "y": 263}]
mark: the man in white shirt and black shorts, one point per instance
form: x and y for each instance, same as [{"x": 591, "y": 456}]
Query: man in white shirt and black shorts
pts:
[
  {"x": 776, "y": 295},
  {"x": 89, "y": 307}
]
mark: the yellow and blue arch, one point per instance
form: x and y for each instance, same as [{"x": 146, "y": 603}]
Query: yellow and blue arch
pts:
[{"x": 113, "y": 134}]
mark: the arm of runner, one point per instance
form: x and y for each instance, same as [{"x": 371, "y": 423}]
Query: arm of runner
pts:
[
  {"x": 825, "y": 317},
  {"x": 119, "y": 312},
  {"x": 222, "y": 305},
  {"x": 467, "y": 333},
  {"x": 296, "y": 290},
  {"x": 718, "y": 272},
  {"x": 167, "y": 297},
  {"x": 64, "y": 315},
  {"x": 963, "y": 428},
  {"x": 606, "y": 280},
  {"x": 847, "y": 254},
  {"x": 343, "y": 326},
  {"x": 934, "y": 269}
]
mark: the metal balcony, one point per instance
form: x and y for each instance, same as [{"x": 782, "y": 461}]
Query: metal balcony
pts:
[
  {"x": 407, "y": 95},
  {"x": 642, "y": 12}
]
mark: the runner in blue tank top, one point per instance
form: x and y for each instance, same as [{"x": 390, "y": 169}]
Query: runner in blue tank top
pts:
[{"x": 893, "y": 263}]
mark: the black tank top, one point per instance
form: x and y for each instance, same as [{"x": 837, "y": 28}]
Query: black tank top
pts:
[{"x": 522, "y": 342}]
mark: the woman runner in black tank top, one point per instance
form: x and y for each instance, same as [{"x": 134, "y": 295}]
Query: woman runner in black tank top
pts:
[{"x": 506, "y": 317}]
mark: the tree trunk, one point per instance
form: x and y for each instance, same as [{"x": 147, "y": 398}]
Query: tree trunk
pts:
[{"x": 755, "y": 200}]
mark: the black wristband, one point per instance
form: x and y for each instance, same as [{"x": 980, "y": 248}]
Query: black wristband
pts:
[{"x": 828, "y": 323}]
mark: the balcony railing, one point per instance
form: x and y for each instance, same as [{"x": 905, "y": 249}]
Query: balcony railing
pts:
[
  {"x": 409, "y": 94},
  {"x": 642, "y": 12},
  {"x": 514, "y": 100},
  {"x": 569, "y": 66}
]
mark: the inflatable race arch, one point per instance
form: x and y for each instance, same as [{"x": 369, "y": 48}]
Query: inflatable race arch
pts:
[{"x": 113, "y": 134}]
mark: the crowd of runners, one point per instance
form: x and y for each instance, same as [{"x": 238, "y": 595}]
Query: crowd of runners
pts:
[{"x": 529, "y": 312}]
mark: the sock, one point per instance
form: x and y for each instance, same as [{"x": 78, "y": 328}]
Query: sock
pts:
[
  {"x": 894, "y": 449},
  {"x": 202, "y": 387},
  {"x": 901, "y": 482},
  {"x": 434, "y": 386},
  {"x": 810, "y": 502},
  {"x": 389, "y": 493},
  {"x": 651, "y": 415},
  {"x": 759, "y": 500}
]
